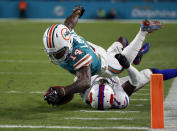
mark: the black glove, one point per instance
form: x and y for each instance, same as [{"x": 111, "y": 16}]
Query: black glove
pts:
[
  {"x": 54, "y": 96},
  {"x": 122, "y": 60},
  {"x": 82, "y": 10}
]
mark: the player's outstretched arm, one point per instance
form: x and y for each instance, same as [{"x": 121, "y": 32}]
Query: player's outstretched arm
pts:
[
  {"x": 58, "y": 95},
  {"x": 83, "y": 81},
  {"x": 72, "y": 20}
]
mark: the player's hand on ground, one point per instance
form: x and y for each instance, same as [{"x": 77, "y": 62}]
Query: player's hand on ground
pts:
[
  {"x": 79, "y": 9},
  {"x": 54, "y": 95},
  {"x": 122, "y": 60}
]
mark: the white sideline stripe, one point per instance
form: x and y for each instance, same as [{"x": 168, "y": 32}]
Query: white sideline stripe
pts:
[
  {"x": 24, "y": 61},
  {"x": 20, "y": 92},
  {"x": 23, "y": 47},
  {"x": 97, "y": 111},
  {"x": 145, "y": 89},
  {"x": 31, "y": 73},
  {"x": 20, "y": 53},
  {"x": 136, "y": 105},
  {"x": 79, "y": 118},
  {"x": 75, "y": 127},
  {"x": 13, "y": 92},
  {"x": 139, "y": 99},
  {"x": 36, "y": 92},
  {"x": 141, "y": 94},
  {"x": 170, "y": 106}
]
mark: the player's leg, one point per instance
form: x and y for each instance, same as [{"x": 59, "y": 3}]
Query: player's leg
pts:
[
  {"x": 143, "y": 79},
  {"x": 133, "y": 48},
  {"x": 122, "y": 42},
  {"x": 132, "y": 81},
  {"x": 118, "y": 46},
  {"x": 146, "y": 74},
  {"x": 167, "y": 73},
  {"x": 142, "y": 51},
  {"x": 114, "y": 68}
]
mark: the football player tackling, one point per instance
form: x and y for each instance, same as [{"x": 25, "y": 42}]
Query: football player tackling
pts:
[
  {"x": 85, "y": 59},
  {"x": 106, "y": 93}
]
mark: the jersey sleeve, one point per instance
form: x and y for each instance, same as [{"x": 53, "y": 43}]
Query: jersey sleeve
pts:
[{"x": 86, "y": 60}]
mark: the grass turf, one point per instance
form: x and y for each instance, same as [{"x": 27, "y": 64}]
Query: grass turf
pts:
[{"x": 26, "y": 68}]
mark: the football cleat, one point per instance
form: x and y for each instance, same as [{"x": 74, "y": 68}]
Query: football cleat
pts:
[
  {"x": 145, "y": 48},
  {"x": 151, "y": 26},
  {"x": 140, "y": 54}
]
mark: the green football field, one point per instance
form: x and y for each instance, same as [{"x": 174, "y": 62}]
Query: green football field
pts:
[{"x": 26, "y": 73}]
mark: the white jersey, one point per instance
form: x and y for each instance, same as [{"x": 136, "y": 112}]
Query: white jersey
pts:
[
  {"x": 109, "y": 64},
  {"x": 121, "y": 99}
]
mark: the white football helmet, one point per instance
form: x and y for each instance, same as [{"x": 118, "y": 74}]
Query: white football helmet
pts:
[
  {"x": 58, "y": 42},
  {"x": 121, "y": 100},
  {"x": 101, "y": 95}
]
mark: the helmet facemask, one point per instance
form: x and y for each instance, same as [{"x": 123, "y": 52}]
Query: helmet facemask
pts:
[
  {"x": 60, "y": 55},
  {"x": 99, "y": 81}
]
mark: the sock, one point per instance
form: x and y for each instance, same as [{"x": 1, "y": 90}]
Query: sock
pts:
[
  {"x": 167, "y": 73},
  {"x": 145, "y": 48}
]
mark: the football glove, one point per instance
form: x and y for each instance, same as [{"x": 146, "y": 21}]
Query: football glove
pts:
[
  {"x": 122, "y": 60},
  {"x": 54, "y": 95},
  {"x": 82, "y": 10}
]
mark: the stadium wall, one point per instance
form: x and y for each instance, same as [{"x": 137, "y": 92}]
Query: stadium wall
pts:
[{"x": 125, "y": 10}]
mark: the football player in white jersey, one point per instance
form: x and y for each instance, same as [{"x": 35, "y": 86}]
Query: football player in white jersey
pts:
[
  {"x": 85, "y": 59},
  {"x": 106, "y": 93}
]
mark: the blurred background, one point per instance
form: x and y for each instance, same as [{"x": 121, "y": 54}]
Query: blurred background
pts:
[{"x": 95, "y": 9}]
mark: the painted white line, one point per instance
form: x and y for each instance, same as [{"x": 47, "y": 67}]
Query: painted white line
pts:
[
  {"x": 170, "y": 106},
  {"x": 75, "y": 127},
  {"x": 24, "y": 61},
  {"x": 139, "y": 99},
  {"x": 37, "y": 92},
  {"x": 141, "y": 94},
  {"x": 108, "y": 111},
  {"x": 20, "y": 53},
  {"x": 20, "y": 92},
  {"x": 138, "y": 105},
  {"x": 79, "y": 118},
  {"x": 32, "y": 73},
  {"x": 144, "y": 89},
  {"x": 13, "y": 92},
  {"x": 22, "y": 47}
]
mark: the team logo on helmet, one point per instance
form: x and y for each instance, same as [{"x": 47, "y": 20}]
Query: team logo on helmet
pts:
[{"x": 65, "y": 33}]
